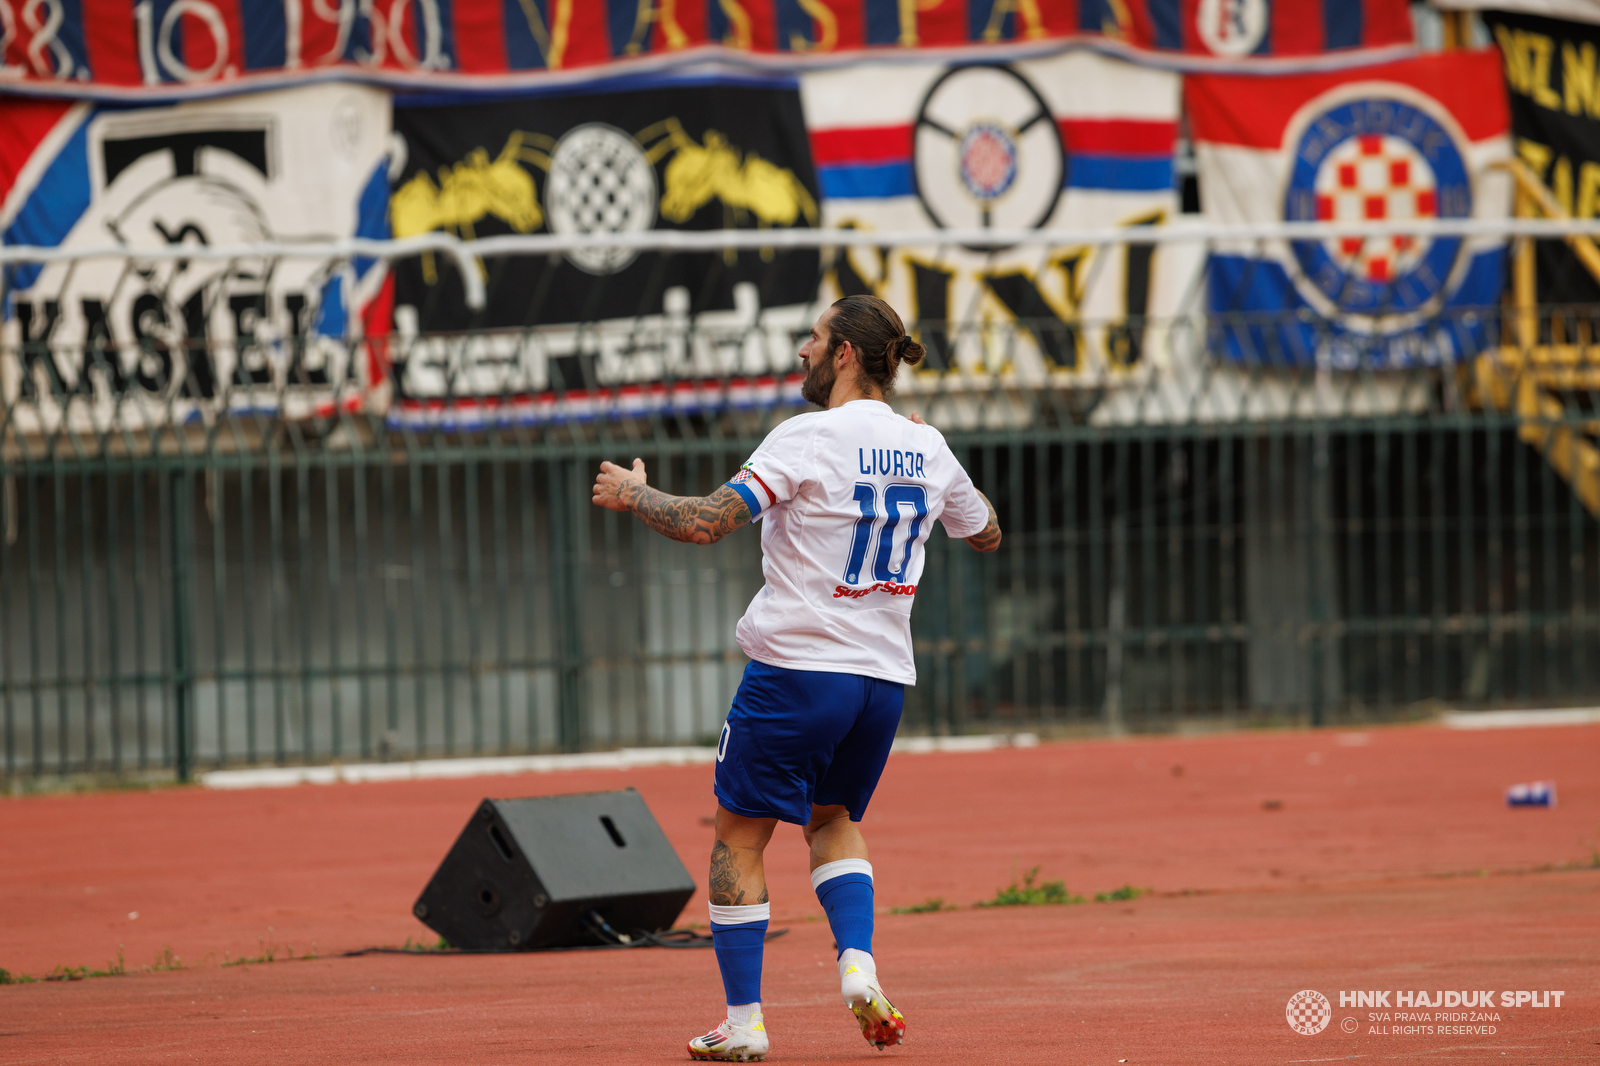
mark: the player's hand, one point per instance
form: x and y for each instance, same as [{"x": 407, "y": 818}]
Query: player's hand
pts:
[
  {"x": 916, "y": 418},
  {"x": 610, "y": 483}
]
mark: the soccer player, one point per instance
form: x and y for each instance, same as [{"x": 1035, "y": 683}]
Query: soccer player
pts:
[{"x": 849, "y": 495}]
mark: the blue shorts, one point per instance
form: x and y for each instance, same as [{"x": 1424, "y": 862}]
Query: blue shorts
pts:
[{"x": 800, "y": 737}]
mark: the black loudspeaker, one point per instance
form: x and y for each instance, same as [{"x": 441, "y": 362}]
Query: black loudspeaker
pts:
[{"x": 526, "y": 873}]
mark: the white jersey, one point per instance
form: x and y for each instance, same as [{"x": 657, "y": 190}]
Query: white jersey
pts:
[{"x": 849, "y": 497}]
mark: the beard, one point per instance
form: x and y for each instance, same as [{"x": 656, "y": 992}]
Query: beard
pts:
[{"x": 820, "y": 376}]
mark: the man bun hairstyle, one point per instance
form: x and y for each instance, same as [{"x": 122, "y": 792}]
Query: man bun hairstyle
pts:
[{"x": 875, "y": 331}]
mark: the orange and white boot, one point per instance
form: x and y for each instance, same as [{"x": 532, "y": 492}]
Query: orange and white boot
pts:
[{"x": 880, "y": 1022}]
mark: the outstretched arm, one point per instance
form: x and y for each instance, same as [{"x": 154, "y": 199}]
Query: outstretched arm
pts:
[
  {"x": 691, "y": 519},
  {"x": 989, "y": 539}
]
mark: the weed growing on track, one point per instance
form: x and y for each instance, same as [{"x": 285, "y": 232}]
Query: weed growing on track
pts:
[
  {"x": 931, "y": 905},
  {"x": 163, "y": 962},
  {"x": 1028, "y": 894},
  {"x": 74, "y": 784},
  {"x": 1117, "y": 895},
  {"x": 78, "y": 973},
  {"x": 270, "y": 952}
]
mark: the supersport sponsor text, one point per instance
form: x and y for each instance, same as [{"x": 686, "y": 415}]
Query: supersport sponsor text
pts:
[{"x": 890, "y": 587}]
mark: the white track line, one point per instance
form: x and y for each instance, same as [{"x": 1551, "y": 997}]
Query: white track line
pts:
[
  {"x": 623, "y": 759},
  {"x": 1518, "y": 719}
]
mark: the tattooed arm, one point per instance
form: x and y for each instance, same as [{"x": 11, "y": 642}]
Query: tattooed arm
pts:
[
  {"x": 989, "y": 539},
  {"x": 691, "y": 519}
]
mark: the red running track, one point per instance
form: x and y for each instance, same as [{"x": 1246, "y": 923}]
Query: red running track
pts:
[{"x": 1388, "y": 862}]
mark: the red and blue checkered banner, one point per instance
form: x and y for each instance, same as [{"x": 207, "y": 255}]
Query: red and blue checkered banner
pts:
[
  {"x": 1409, "y": 140},
  {"x": 128, "y": 47}
]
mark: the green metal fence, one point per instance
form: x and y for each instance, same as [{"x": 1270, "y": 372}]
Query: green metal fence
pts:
[
  {"x": 388, "y": 600},
  {"x": 192, "y": 579},
  {"x": 342, "y": 591}
]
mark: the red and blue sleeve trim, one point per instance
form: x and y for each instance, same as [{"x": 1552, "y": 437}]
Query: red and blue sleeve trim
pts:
[
  {"x": 740, "y": 483},
  {"x": 749, "y": 498}
]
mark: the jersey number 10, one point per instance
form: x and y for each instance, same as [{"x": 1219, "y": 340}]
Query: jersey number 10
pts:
[{"x": 894, "y": 498}]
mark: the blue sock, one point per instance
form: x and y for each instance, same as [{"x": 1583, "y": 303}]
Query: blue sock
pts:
[
  {"x": 844, "y": 888},
  {"x": 738, "y": 934}
]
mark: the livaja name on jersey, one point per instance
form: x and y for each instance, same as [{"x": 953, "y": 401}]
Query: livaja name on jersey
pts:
[{"x": 889, "y": 462}]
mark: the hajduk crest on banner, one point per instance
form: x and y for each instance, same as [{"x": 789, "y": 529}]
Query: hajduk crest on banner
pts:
[
  {"x": 1411, "y": 140},
  {"x": 1073, "y": 141}
]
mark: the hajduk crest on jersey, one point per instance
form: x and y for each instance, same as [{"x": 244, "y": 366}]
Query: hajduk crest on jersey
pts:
[{"x": 1408, "y": 140}]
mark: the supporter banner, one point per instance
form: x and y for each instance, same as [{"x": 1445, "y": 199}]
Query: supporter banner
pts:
[
  {"x": 131, "y": 342},
  {"x": 1409, "y": 140},
  {"x": 675, "y": 157},
  {"x": 1074, "y": 141},
  {"x": 1550, "y": 70},
  {"x": 1576, "y": 10},
  {"x": 1241, "y": 29},
  {"x": 81, "y": 47}
]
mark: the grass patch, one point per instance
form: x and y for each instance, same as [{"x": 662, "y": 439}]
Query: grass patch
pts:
[
  {"x": 1118, "y": 895},
  {"x": 164, "y": 962},
  {"x": 1028, "y": 894},
  {"x": 78, "y": 973},
  {"x": 272, "y": 952},
  {"x": 931, "y": 905},
  {"x": 420, "y": 947},
  {"x": 70, "y": 784}
]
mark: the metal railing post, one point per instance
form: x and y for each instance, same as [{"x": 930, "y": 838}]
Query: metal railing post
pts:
[
  {"x": 567, "y": 525},
  {"x": 182, "y": 674},
  {"x": 1319, "y": 581}
]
